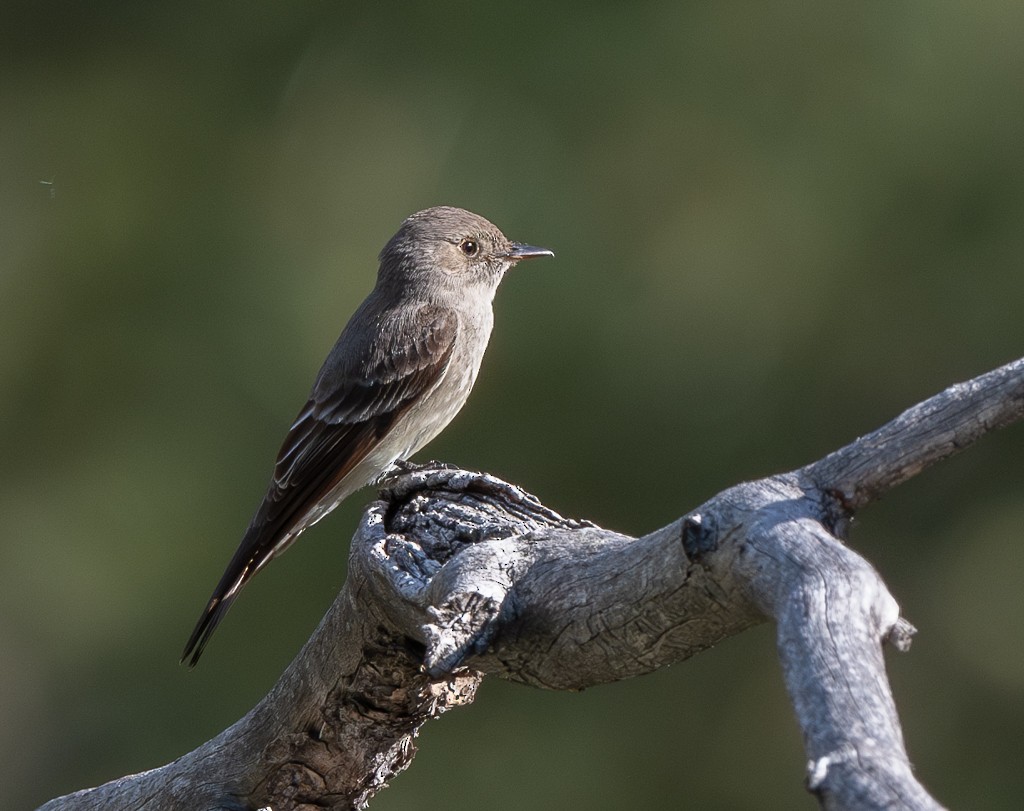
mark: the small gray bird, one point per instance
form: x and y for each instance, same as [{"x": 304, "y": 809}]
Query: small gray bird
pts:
[{"x": 401, "y": 370}]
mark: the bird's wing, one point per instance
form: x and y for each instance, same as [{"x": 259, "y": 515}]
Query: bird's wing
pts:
[{"x": 351, "y": 408}]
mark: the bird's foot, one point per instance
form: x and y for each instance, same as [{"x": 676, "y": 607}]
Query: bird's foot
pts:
[{"x": 402, "y": 466}]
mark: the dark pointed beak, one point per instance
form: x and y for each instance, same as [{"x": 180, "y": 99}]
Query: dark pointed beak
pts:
[{"x": 520, "y": 251}]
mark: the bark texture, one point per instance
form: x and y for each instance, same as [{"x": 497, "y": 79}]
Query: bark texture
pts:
[{"x": 454, "y": 575}]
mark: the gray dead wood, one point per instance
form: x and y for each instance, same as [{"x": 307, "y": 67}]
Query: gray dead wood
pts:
[{"x": 454, "y": 575}]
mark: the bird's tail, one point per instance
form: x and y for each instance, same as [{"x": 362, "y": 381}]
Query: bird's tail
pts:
[
  {"x": 208, "y": 622},
  {"x": 240, "y": 570},
  {"x": 263, "y": 540}
]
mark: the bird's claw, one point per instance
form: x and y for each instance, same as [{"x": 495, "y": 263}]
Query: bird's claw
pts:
[{"x": 400, "y": 467}]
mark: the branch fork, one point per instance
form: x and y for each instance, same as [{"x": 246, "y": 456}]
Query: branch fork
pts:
[{"x": 455, "y": 576}]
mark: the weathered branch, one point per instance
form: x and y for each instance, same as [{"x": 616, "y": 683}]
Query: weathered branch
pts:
[
  {"x": 454, "y": 575},
  {"x": 929, "y": 432}
]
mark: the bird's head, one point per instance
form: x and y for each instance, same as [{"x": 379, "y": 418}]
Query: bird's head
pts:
[{"x": 448, "y": 248}]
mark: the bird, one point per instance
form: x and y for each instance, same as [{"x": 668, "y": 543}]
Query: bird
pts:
[{"x": 402, "y": 368}]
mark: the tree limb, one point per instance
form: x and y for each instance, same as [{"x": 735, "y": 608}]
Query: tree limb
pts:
[{"x": 454, "y": 575}]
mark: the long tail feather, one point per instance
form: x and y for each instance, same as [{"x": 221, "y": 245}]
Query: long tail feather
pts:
[{"x": 208, "y": 622}]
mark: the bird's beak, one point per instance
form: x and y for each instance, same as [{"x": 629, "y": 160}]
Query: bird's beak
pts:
[{"x": 520, "y": 251}]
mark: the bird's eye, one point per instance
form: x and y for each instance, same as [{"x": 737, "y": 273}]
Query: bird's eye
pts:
[{"x": 470, "y": 247}]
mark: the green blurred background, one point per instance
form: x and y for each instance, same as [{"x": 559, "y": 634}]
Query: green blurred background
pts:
[{"x": 776, "y": 225}]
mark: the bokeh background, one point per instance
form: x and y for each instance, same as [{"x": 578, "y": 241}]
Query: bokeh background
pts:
[{"x": 776, "y": 225}]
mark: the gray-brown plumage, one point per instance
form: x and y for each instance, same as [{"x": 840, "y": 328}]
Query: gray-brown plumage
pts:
[{"x": 402, "y": 368}]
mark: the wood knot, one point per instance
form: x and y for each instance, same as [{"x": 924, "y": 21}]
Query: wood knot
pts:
[{"x": 699, "y": 536}]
